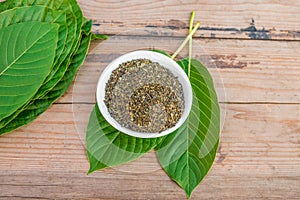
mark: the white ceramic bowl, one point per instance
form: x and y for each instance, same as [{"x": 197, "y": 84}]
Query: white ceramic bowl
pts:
[{"x": 154, "y": 57}]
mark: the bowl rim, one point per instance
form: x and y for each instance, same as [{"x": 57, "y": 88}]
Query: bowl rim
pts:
[{"x": 155, "y": 57}]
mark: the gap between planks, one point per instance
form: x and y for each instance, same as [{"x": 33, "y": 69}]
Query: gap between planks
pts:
[{"x": 203, "y": 37}]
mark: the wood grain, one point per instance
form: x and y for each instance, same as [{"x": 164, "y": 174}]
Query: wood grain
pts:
[
  {"x": 252, "y": 49},
  {"x": 247, "y": 19},
  {"x": 244, "y": 70},
  {"x": 262, "y": 161}
]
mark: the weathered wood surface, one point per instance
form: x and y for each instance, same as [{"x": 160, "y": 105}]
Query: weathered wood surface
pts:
[
  {"x": 258, "y": 61},
  {"x": 247, "y": 19},
  {"x": 258, "y": 158},
  {"x": 251, "y": 71}
]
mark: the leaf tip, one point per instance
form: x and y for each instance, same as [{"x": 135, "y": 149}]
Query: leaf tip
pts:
[
  {"x": 189, "y": 193},
  {"x": 96, "y": 36},
  {"x": 90, "y": 172}
]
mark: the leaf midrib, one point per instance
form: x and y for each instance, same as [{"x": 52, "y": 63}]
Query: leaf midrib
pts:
[
  {"x": 187, "y": 154},
  {"x": 25, "y": 51}
]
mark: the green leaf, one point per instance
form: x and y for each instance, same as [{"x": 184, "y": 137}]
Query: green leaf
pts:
[
  {"x": 38, "y": 106},
  {"x": 188, "y": 153},
  {"x": 78, "y": 17},
  {"x": 73, "y": 21},
  {"x": 40, "y": 13},
  {"x": 43, "y": 14},
  {"x": 87, "y": 26},
  {"x": 72, "y": 46},
  {"x": 107, "y": 147},
  {"x": 5, "y": 5},
  {"x": 29, "y": 61},
  {"x": 97, "y": 36}
]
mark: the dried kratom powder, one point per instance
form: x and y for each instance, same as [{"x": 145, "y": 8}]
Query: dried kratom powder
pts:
[{"x": 144, "y": 96}]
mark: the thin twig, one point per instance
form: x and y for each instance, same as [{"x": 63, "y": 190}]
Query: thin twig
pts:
[
  {"x": 186, "y": 40},
  {"x": 191, "y": 42}
]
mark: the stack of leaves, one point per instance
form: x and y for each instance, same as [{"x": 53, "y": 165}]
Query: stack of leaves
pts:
[
  {"x": 43, "y": 43},
  {"x": 187, "y": 154}
]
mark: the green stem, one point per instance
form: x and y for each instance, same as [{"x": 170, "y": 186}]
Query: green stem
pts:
[
  {"x": 190, "y": 42},
  {"x": 186, "y": 40}
]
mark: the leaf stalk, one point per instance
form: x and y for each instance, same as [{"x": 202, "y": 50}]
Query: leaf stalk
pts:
[
  {"x": 186, "y": 40},
  {"x": 190, "y": 42}
]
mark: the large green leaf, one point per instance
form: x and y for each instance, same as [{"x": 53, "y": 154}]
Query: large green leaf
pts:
[
  {"x": 108, "y": 147},
  {"x": 40, "y": 105},
  {"x": 29, "y": 61},
  {"x": 79, "y": 17},
  {"x": 38, "y": 13},
  {"x": 73, "y": 51},
  {"x": 188, "y": 153},
  {"x": 43, "y": 14},
  {"x": 71, "y": 43},
  {"x": 73, "y": 22}
]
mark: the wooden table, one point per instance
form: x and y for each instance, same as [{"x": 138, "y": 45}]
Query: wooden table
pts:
[{"x": 255, "y": 46}]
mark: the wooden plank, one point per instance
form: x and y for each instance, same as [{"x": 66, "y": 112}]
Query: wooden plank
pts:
[
  {"x": 247, "y": 19},
  {"x": 251, "y": 71},
  {"x": 223, "y": 182},
  {"x": 259, "y": 154},
  {"x": 259, "y": 157}
]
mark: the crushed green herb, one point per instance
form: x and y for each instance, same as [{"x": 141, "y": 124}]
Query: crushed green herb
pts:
[{"x": 144, "y": 96}]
